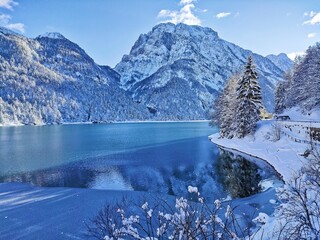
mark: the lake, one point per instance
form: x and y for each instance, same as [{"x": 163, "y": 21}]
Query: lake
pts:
[{"x": 154, "y": 157}]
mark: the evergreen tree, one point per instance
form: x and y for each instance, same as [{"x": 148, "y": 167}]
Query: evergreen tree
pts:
[
  {"x": 225, "y": 106},
  {"x": 248, "y": 101},
  {"x": 282, "y": 92},
  {"x": 279, "y": 98},
  {"x": 305, "y": 88}
]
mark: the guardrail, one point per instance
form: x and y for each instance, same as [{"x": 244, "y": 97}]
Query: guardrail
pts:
[{"x": 313, "y": 132}]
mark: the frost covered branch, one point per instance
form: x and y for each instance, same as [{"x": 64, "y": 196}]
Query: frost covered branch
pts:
[{"x": 158, "y": 219}]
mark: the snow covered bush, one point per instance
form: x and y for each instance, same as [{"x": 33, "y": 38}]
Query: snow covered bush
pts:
[{"x": 162, "y": 219}]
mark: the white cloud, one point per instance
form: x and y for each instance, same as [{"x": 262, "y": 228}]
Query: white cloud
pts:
[
  {"x": 309, "y": 14},
  {"x": 293, "y": 55},
  {"x": 5, "y": 22},
  {"x": 314, "y": 18},
  {"x": 4, "y": 19},
  {"x": 223, "y": 14},
  {"x": 8, "y": 4},
  {"x": 184, "y": 15},
  {"x": 16, "y": 26},
  {"x": 311, "y": 35},
  {"x": 185, "y": 2}
]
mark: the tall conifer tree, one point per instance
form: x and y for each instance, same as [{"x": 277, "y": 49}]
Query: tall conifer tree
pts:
[{"x": 248, "y": 101}]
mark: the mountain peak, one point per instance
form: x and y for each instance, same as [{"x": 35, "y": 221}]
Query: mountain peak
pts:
[
  {"x": 52, "y": 35},
  {"x": 188, "y": 63},
  {"x": 192, "y": 29},
  {"x": 280, "y": 55},
  {"x": 281, "y": 60}
]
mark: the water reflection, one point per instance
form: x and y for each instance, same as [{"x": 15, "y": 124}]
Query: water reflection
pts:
[
  {"x": 167, "y": 168},
  {"x": 239, "y": 176}
]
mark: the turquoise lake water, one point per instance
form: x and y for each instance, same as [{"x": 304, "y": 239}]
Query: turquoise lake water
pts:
[{"x": 154, "y": 157}]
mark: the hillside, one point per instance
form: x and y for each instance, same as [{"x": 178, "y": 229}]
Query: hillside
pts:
[{"x": 50, "y": 79}]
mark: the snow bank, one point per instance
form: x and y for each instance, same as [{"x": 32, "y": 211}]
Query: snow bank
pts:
[{"x": 284, "y": 155}]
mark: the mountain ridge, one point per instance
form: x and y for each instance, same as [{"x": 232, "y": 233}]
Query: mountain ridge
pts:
[{"x": 197, "y": 55}]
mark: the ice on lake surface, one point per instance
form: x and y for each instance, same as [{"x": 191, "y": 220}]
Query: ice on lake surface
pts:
[{"x": 154, "y": 157}]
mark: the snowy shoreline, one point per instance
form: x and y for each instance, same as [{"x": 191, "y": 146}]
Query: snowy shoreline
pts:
[
  {"x": 284, "y": 155},
  {"x": 248, "y": 155}
]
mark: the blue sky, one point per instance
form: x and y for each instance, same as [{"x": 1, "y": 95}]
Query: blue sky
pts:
[{"x": 107, "y": 29}]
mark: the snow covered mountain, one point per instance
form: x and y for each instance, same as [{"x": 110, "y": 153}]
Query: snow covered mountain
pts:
[
  {"x": 50, "y": 79},
  {"x": 172, "y": 73},
  {"x": 282, "y": 61},
  {"x": 178, "y": 70}
]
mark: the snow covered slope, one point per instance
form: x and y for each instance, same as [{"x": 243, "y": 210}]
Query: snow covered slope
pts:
[
  {"x": 178, "y": 70},
  {"x": 52, "y": 80},
  {"x": 282, "y": 61}
]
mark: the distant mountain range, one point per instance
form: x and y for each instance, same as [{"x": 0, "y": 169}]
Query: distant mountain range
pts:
[{"x": 172, "y": 73}]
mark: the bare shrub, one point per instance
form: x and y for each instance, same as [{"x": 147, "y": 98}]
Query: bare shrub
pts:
[
  {"x": 157, "y": 219},
  {"x": 300, "y": 210}
]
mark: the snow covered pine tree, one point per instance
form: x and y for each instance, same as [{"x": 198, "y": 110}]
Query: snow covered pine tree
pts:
[{"x": 248, "y": 101}]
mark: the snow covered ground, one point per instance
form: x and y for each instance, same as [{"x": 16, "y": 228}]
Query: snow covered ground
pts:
[
  {"x": 285, "y": 155},
  {"x": 29, "y": 212}
]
